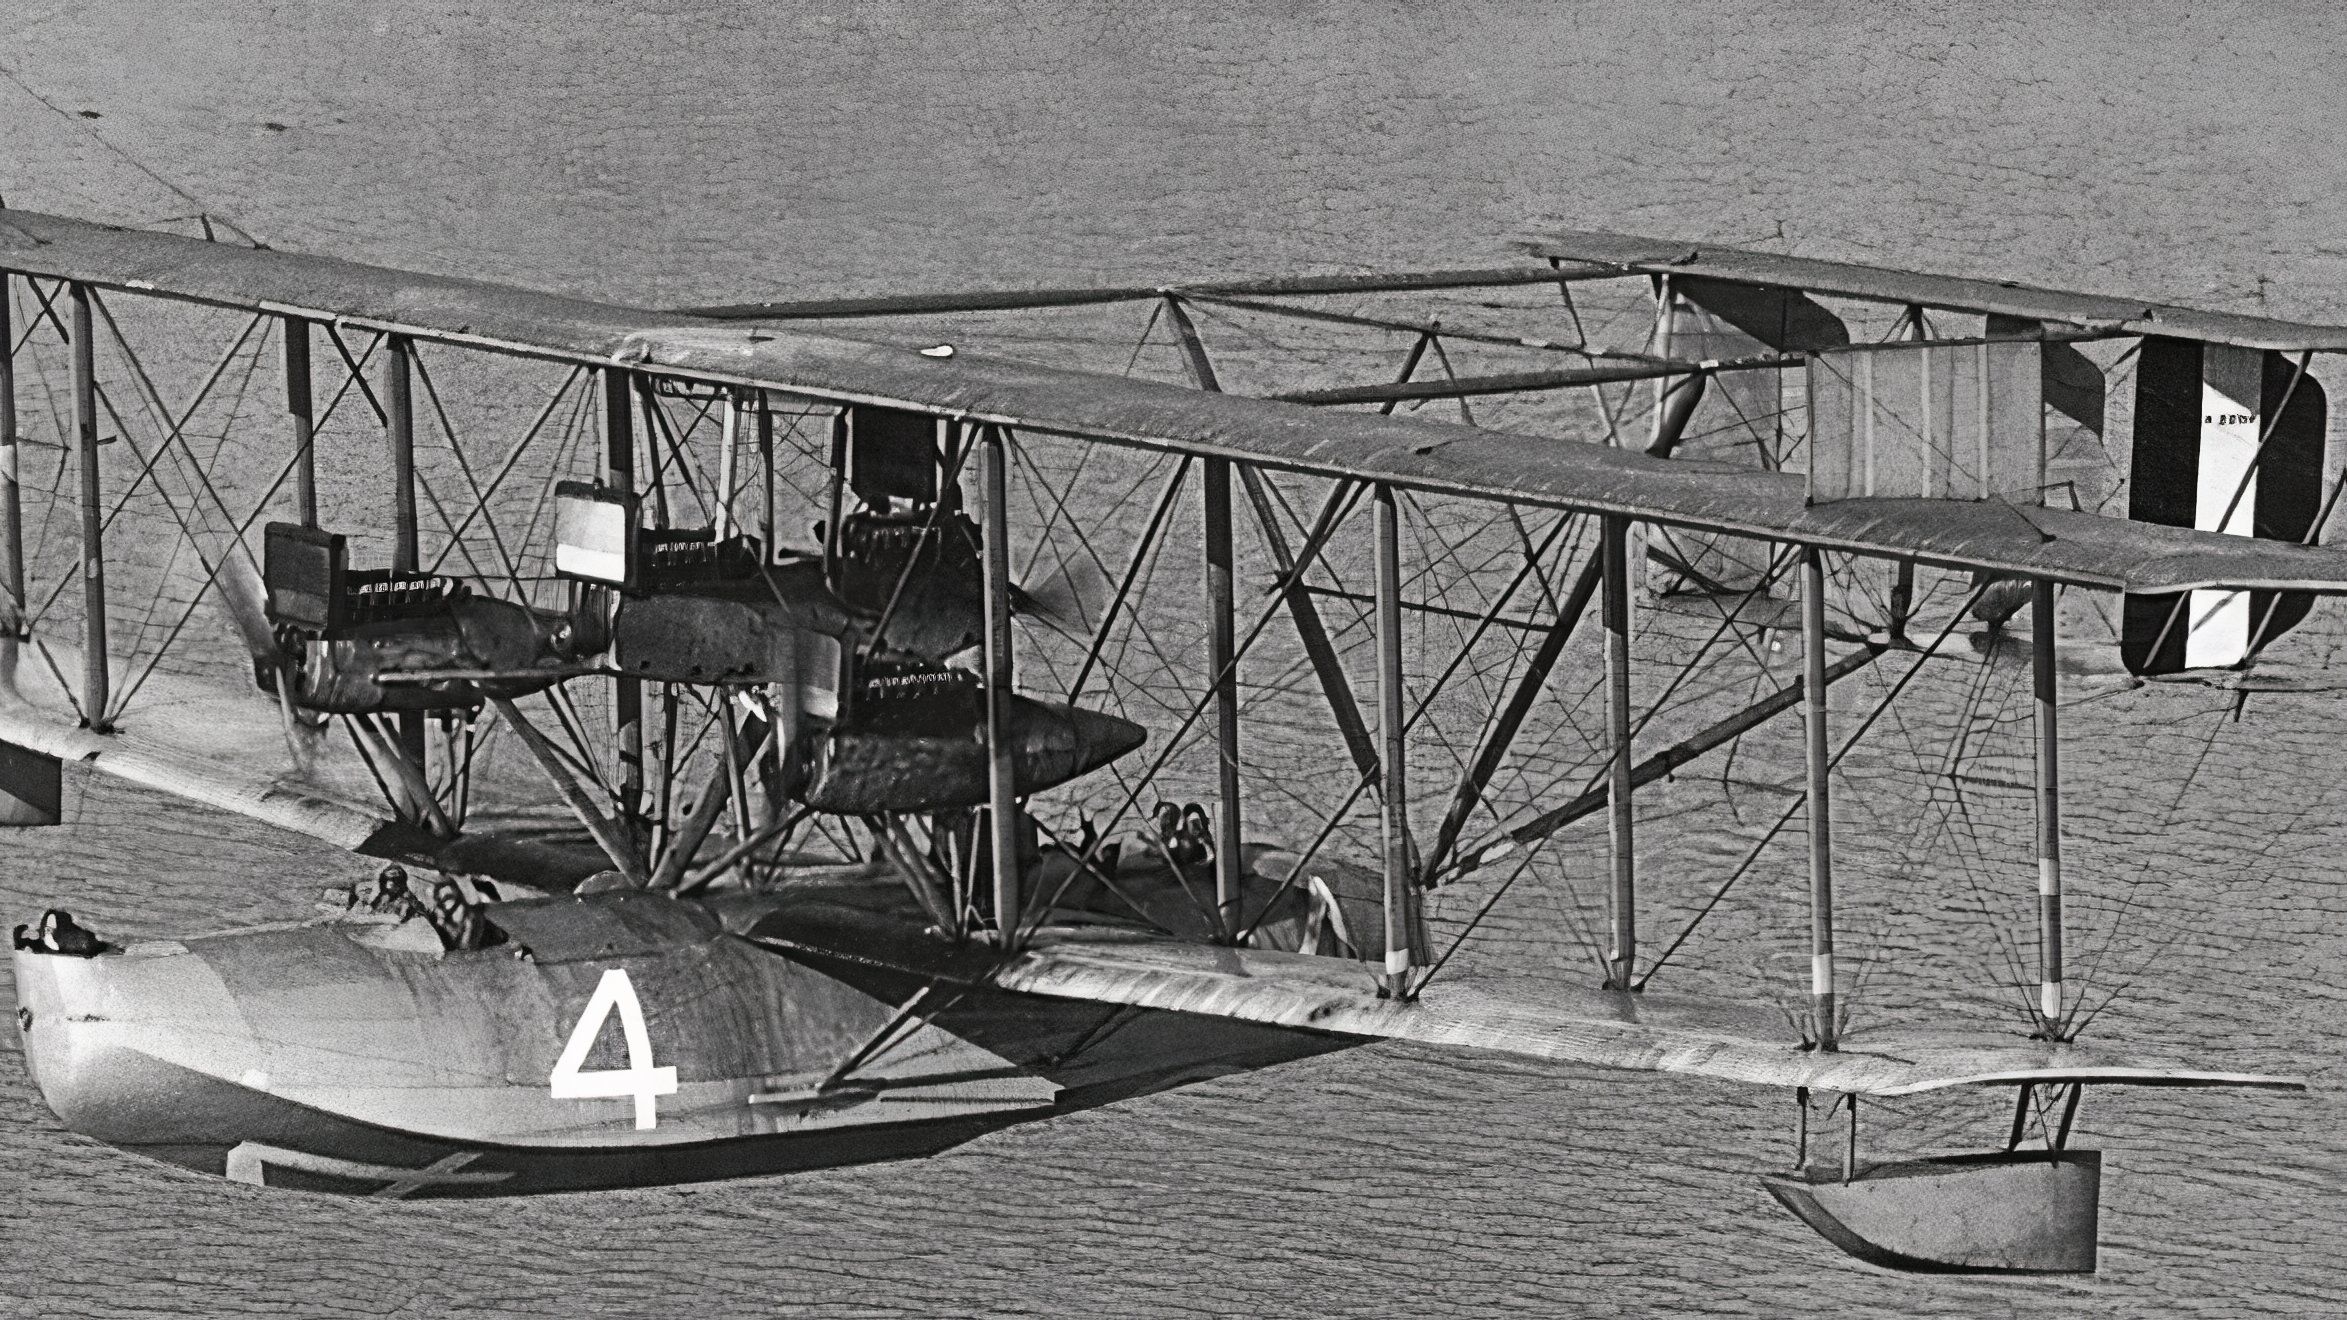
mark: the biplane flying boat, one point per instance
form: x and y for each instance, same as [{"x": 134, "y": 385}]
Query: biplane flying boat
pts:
[{"x": 958, "y": 812}]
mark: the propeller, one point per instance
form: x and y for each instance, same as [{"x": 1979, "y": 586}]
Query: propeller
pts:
[{"x": 247, "y": 602}]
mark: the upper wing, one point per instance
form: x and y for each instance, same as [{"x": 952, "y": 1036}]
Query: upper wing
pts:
[{"x": 2085, "y": 549}]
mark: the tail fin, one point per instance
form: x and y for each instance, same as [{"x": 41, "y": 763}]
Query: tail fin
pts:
[{"x": 2203, "y": 414}]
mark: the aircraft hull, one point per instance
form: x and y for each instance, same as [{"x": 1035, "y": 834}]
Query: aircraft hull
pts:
[{"x": 340, "y": 1056}]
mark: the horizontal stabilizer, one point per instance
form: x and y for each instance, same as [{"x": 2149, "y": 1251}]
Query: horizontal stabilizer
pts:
[{"x": 1648, "y": 1031}]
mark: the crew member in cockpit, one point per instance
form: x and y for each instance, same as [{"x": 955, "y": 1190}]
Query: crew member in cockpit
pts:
[
  {"x": 389, "y": 893},
  {"x": 459, "y": 921},
  {"x": 58, "y": 932}
]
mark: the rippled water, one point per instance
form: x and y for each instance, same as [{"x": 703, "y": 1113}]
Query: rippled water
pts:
[{"x": 713, "y": 152}]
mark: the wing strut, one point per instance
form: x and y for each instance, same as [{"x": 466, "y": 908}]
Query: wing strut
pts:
[
  {"x": 1401, "y": 893},
  {"x": 1614, "y": 558},
  {"x": 399, "y": 427},
  {"x": 1221, "y": 640},
  {"x": 611, "y": 833},
  {"x": 2049, "y": 810},
  {"x": 1002, "y": 804},
  {"x": 303, "y": 417},
  {"x": 93, "y": 532},
  {"x": 11, "y": 500},
  {"x": 1821, "y": 838},
  {"x": 627, "y": 694},
  {"x": 1309, "y": 629},
  {"x": 1679, "y": 404}
]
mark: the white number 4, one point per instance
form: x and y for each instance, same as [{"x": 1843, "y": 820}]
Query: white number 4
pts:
[{"x": 639, "y": 1079}]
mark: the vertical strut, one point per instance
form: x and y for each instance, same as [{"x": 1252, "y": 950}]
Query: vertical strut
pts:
[
  {"x": 766, "y": 466},
  {"x": 1821, "y": 829},
  {"x": 1308, "y": 625},
  {"x": 1621, "y": 959},
  {"x": 839, "y": 470},
  {"x": 2049, "y": 809},
  {"x": 1681, "y": 401},
  {"x": 1399, "y": 892},
  {"x": 1221, "y": 650},
  {"x": 93, "y": 546},
  {"x": 1665, "y": 326},
  {"x": 399, "y": 424},
  {"x": 11, "y": 500},
  {"x": 627, "y": 694},
  {"x": 1001, "y": 781},
  {"x": 298, "y": 410},
  {"x": 1903, "y": 573},
  {"x": 729, "y": 428}
]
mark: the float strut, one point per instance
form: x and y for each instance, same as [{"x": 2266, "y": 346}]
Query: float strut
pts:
[
  {"x": 2069, "y": 1113},
  {"x": 2020, "y": 1115},
  {"x": 1850, "y": 1152}
]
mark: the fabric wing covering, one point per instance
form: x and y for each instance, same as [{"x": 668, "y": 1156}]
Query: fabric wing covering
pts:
[{"x": 1734, "y": 1041}]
